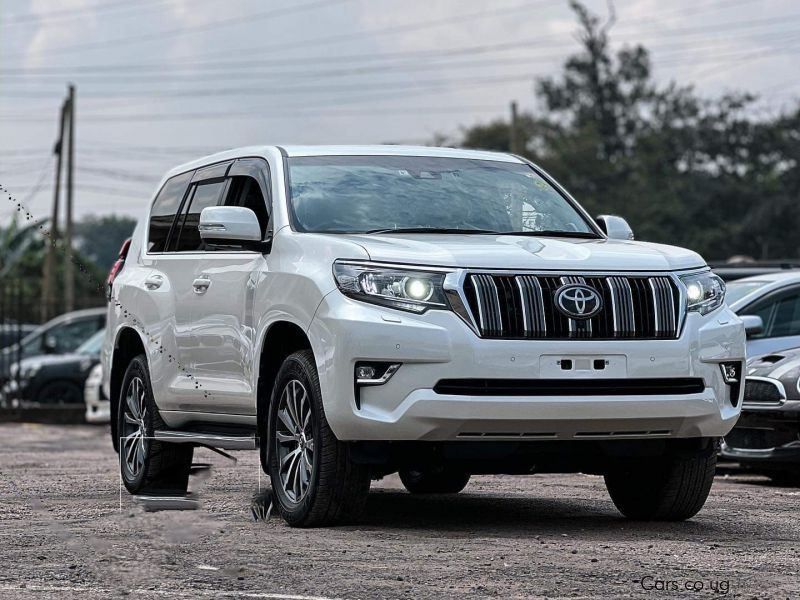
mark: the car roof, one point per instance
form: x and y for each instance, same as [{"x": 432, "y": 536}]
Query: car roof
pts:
[
  {"x": 772, "y": 282},
  {"x": 373, "y": 150},
  {"x": 778, "y": 276}
]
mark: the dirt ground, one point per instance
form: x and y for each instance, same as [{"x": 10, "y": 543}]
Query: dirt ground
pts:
[{"x": 65, "y": 530}]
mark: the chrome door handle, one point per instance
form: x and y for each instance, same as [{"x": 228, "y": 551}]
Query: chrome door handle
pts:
[
  {"x": 153, "y": 282},
  {"x": 200, "y": 285}
]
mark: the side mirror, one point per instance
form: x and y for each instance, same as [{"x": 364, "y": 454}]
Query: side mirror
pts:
[
  {"x": 753, "y": 324},
  {"x": 616, "y": 228},
  {"x": 230, "y": 225},
  {"x": 50, "y": 345}
]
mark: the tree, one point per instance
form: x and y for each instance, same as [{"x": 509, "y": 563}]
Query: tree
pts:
[
  {"x": 99, "y": 238},
  {"x": 682, "y": 169}
]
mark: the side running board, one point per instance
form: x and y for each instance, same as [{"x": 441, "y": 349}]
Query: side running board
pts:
[{"x": 227, "y": 442}]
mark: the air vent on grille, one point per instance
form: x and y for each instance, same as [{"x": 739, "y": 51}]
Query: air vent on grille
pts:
[
  {"x": 762, "y": 392},
  {"x": 523, "y": 306}
]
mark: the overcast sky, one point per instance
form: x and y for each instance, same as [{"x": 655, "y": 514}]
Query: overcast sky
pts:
[{"x": 160, "y": 82}]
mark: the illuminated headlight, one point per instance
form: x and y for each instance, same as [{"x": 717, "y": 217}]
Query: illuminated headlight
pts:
[
  {"x": 411, "y": 290},
  {"x": 704, "y": 292}
]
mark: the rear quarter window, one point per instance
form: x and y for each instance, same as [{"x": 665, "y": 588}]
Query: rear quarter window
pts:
[{"x": 164, "y": 209}]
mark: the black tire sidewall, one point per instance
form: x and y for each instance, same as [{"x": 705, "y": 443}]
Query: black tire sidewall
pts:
[
  {"x": 295, "y": 368},
  {"x": 136, "y": 368}
]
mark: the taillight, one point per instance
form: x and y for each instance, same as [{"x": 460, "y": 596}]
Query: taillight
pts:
[{"x": 117, "y": 266}]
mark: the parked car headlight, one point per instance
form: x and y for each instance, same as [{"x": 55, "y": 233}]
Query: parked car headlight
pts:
[
  {"x": 28, "y": 371},
  {"x": 404, "y": 289},
  {"x": 704, "y": 292}
]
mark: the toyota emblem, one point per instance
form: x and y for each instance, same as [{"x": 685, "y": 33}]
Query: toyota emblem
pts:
[{"x": 578, "y": 301}]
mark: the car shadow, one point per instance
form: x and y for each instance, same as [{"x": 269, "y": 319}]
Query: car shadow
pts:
[{"x": 516, "y": 516}]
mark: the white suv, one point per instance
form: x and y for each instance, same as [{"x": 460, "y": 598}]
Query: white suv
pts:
[{"x": 359, "y": 311}]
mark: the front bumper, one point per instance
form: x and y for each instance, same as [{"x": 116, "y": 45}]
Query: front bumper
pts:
[
  {"x": 438, "y": 345},
  {"x": 763, "y": 436}
]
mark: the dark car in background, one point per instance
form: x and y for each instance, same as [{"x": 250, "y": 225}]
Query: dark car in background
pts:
[
  {"x": 11, "y": 333},
  {"x": 53, "y": 379},
  {"x": 58, "y": 336},
  {"x": 767, "y": 437}
]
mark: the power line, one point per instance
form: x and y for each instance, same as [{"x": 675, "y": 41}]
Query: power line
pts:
[
  {"x": 215, "y": 25},
  {"x": 74, "y": 13},
  {"x": 227, "y": 66},
  {"x": 383, "y": 68}
]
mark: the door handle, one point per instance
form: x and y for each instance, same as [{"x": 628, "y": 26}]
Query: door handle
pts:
[
  {"x": 153, "y": 282},
  {"x": 200, "y": 285}
]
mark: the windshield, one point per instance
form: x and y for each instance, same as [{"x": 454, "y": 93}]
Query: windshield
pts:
[
  {"x": 736, "y": 290},
  {"x": 366, "y": 194},
  {"x": 93, "y": 344}
]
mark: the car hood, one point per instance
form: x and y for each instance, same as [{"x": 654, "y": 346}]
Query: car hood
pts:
[
  {"x": 45, "y": 360},
  {"x": 524, "y": 252},
  {"x": 774, "y": 364}
]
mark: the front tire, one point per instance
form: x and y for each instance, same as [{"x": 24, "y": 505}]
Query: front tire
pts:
[
  {"x": 443, "y": 480},
  {"x": 313, "y": 479},
  {"x": 671, "y": 488},
  {"x": 147, "y": 465}
]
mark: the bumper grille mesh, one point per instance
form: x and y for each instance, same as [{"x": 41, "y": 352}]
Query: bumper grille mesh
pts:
[
  {"x": 758, "y": 392},
  {"x": 523, "y": 307}
]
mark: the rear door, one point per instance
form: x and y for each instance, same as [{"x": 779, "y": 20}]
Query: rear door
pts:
[{"x": 223, "y": 334}]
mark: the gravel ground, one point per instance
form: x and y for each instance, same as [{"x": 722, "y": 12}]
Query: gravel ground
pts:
[{"x": 65, "y": 530}]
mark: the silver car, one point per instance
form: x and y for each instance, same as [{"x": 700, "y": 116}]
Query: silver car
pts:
[{"x": 769, "y": 305}]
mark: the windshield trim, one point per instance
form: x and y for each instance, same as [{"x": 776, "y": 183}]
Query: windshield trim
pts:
[{"x": 565, "y": 195}]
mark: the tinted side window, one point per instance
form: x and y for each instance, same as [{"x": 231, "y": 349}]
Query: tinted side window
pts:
[
  {"x": 201, "y": 196},
  {"x": 67, "y": 337},
  {"x": 765, "y": 311},
  {"x": 787, "y": 317},
  {"x": 164, "y": 210},
  {"x": 245, "y": 191}
]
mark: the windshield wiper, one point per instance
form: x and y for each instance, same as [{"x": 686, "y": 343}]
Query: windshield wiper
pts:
[
  {"x": 554, "y": 233},
  {"x": 429, "y": 230}
]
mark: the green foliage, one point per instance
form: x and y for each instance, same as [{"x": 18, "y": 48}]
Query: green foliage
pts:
[
  {"x": 22, "y": 255},
  {"x": 99, "y": 238},
  {"x": 682, "y": 169}
]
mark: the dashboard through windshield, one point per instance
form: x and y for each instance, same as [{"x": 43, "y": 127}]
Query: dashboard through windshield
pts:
[{"x": 381, "y": 194}]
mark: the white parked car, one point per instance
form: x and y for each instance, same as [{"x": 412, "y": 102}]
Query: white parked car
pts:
[
  {"x": 357, "y": 311},
  {"x": 98, "y": 408}
]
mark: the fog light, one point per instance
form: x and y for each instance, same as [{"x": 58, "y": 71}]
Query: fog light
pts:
[
  {"x": 365, "y": 372},
  {"x": 731, "y": 372},
  {"x": 375, "y": 373},
  {"x": 732, "y": 375}
]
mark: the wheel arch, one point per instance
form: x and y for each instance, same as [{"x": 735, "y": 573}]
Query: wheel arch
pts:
[
  {"x": 128, "y": 343},
  {"x": 281, "y": 338}
]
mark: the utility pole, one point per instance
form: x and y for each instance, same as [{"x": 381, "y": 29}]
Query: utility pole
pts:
[
  {"x": 69, "y": 271},
  {"x": 49, "y": 276},
  {"x": 513, "y": 130}
]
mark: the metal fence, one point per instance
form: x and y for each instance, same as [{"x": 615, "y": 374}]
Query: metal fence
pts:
[{"x": 17, "y": 313}]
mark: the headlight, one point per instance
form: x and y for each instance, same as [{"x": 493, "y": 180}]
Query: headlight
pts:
[
  {"x": 411, "y": 290},
  {"x": 28, "y": 371},
  {"x": 704, "y": 292}
]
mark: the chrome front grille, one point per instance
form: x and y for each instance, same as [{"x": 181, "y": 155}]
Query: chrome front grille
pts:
[{"x": 523, "y": 306}]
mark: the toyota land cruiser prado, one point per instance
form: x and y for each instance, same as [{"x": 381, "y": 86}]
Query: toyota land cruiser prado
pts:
[{"x": 353, "y": 312}]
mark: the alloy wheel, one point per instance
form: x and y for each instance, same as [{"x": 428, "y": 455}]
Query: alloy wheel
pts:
[
  {"x": 134, "y": 431},
  {"x": 294, "y": 437}
]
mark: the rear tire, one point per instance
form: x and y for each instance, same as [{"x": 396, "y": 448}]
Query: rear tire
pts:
[
  {"x": 314, "y": 481},
  {"x": 147, "y": 465},
  {"x": 672, "y": 488},
  {"x": 441, "y": 480}
]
